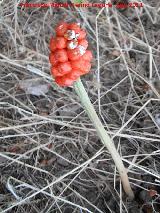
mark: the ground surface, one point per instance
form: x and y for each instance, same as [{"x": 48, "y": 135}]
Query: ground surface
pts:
[{"x": 51, "y": 159}]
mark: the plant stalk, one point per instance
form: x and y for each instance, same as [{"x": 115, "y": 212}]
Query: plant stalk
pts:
[{"x": 105, "y": 138}]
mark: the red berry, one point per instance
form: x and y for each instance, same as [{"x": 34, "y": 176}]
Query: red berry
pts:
[
  {"x": 86, "y": 68},
  {"x": 75, "y": 27},
  {"x": 82, "y": 65},
  {"x": 75, "y": 74},
  {"x": 61, "y": 55},
  {"x": 64, "y": 68},
  {"x": 55, "y": 72},
  {"x": 52, "y": 44},
  {"x": 64, "y": 81},
  {"x": 61, "y": 28},
  {"x": 83, "y": 43},
  {"x": 74, "y": 54},
  {"x": 61, "y": 43},
  {"x": 77, "y": 64},
  {"x": 82, "y": 35},
  {"x": 52, "y": 59},
  {"x": 69, "y": 55},
  {"x": 87, "y": 56}
]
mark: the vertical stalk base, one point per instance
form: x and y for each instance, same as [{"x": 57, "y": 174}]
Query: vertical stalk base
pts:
[{"x": 105, "y": 138}]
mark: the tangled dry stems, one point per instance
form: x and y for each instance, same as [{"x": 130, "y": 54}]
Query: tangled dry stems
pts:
[{"x": 50, "y": 156}]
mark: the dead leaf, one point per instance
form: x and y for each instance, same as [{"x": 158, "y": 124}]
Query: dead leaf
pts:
[
  {"x": 34, "y": 86},
  {"x": 152, "y": 193},
  {"x": 47, "y": 162},
  {"x": 116, "y": 53}
]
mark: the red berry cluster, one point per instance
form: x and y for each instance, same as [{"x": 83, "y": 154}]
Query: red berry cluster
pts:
[{"x": 69, "y": 56}]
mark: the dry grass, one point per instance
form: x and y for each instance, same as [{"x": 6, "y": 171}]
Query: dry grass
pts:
[{"x": 51, "y": 159}]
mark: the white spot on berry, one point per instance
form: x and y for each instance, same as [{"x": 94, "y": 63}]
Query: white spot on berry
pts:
[
  {"x": 70, "y": 34},
  {"x": 60, "y": 26},
  {"x": 82, "y": 49},
  {"x": 77, "y": 35},
  {"x": 72, "y": 44}
]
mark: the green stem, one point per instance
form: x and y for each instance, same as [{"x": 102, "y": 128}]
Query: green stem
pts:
[{"x": 105, "y": 138}]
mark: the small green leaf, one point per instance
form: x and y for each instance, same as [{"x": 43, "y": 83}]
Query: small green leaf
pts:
[{"x": 78, "y": 1}]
